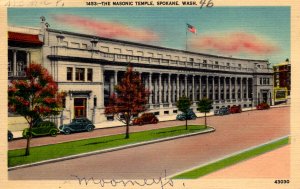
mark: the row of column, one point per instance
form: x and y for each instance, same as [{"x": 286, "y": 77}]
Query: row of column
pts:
[
  {"x": 163, "y": 90},
  {"x": 17, "y": 66}
]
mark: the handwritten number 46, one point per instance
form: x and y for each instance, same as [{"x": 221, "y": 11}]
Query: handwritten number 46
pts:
[{"x": 208, "y": 3}]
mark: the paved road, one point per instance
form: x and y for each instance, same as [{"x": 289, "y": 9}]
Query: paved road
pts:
[{"x": 233, "y": 133}]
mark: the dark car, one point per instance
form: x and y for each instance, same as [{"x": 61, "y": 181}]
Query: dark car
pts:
[
  {"x": 190, "y": 115},
  {"x": 235, "y": 109},
  {"x": 146, "y": 118},
  {"x": 262, "y": 106},
  {"x": 77, "y": 125},
  {"x": 40, "y": 129},
  {"x": 222, "y": 111},
  {"x": 10, "y": 136}
]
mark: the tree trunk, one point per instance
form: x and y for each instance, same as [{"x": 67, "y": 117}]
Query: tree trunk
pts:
[
  {"x": 127, "y": 129},
  {"x": 205, "y": 118},
  {"x": 27, "y": 152},
  {"x": 186, "y": 122}
]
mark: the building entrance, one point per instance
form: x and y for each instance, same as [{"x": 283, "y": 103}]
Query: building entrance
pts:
[
  {"x": 265, "y": 97},
  {"x": 80, "y": 107}
]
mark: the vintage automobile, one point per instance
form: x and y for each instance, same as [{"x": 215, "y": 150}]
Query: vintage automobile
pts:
[
  {"x": 235, "y": 109},
  {"x": 262, "y": 106},
  {"x": 41, "y": 129},
  {"x": 145, "y": 118},
  {"x": 10, "y": 136},
  {"x": 190, "y": 115},
  {"x": 77, "y": 125},
  {"x": 222, "y": 111}
]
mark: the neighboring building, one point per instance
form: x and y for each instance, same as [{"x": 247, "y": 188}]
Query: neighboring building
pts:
[
  {"x": 87, "y": 68},
  {"x": 282, "y": 75}
]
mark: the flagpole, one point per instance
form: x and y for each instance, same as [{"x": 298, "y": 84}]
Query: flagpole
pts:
[{"x": 186, "y": 38}]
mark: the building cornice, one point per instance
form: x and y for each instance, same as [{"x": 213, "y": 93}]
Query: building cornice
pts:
[
  {"x": 105, "y": 62},
  {"x": 149, "y": 46}
]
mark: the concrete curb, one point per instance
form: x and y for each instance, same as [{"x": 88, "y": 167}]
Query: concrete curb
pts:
[
  {"x": 227, "y": 156},
  {"x": 209, "y": 130}
]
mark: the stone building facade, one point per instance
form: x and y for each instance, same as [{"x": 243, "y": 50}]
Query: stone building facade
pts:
[{"x": 88, "y": 67}]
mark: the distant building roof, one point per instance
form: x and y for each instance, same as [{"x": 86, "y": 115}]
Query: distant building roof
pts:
[{"x": 283, "y": 63}]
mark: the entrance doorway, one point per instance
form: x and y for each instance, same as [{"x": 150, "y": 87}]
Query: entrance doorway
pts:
[
  {"x": 265, "y": 97},
  {"x": 80, "y": 107}
]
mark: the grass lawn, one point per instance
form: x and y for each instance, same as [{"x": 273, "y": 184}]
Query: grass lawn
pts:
[
  {"x": 16, "y": 157},
  {"x": 201, "y": 171}
]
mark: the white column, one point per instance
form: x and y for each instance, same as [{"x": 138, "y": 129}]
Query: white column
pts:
[
  {"x": 116, "y": 77},
  {"x": 247, "y": 89},
  {"x": 219, "y": 88},
  {"x": 235, "y": 87},
  {"x": 111, "y": 82},
  {"x": 207, "y": 91},
  {"x": 185, "y": 86},
  {"x": 169, "y": 90},
  {"x": 200, "y": 88},
  {"x": 177, "y": 87},
  {"x": 230, "y": 88},
  {"x": 242, "y": 91},
  {"x": 159, "y": 88},
  {"x": 225, "y": 89},
  {"x": 155, "y": 91},
  {"x": 150, "y": 88},
  {"x": 27, "y": 59},
  {"x": 213, "y": 88},
  {"x": 14, "y": 62},
  {"x": 193, "y": 88}
]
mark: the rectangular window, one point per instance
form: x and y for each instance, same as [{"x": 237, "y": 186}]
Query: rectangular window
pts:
[
  {"x": 260, "y": 81},
  {"x": 69, "y": 73},
  {"x": 95, "y": 101},
  {"x": 90, "y": 74},
  {"x": 204, "y": 61},
  {"x": 79, "y": 74}
]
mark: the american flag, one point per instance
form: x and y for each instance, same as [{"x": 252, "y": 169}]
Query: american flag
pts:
[{"x": 191, "y": 28}]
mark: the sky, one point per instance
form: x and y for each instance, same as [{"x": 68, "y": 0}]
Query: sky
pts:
[{"x": 243, "y": 32}]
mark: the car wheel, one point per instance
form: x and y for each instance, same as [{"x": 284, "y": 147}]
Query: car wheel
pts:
[
  {"x": 67, "y": 131},
  {"x": 53, "y": 133},
  {"x": 89, "y": 129}
]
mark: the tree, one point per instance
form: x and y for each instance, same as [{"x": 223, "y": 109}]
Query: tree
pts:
[
  {"x": 183, "y": 105},
  {"x": 204, "y": 106},
  {"x": 130, "y": 99},
  {"x": 34, "y": 97}
]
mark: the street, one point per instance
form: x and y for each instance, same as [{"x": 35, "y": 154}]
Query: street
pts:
[{"x": 233, "y": 133}]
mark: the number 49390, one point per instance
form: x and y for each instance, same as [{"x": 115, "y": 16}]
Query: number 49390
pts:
[{"x": 282, "y": 181}]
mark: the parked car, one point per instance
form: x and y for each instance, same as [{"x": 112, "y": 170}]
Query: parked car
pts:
[
  {"x": 145, "y": 118},
  {"x": 40, "y": 129},
  {"x": 190, "y": 115},
  {"x": 10, "y": 136},
  {"x": 262, "y": 106},
  {"x": 77, "y": 125},
  {"x": 235, "y": 109},
  {"x": 222, "y": 111}
]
